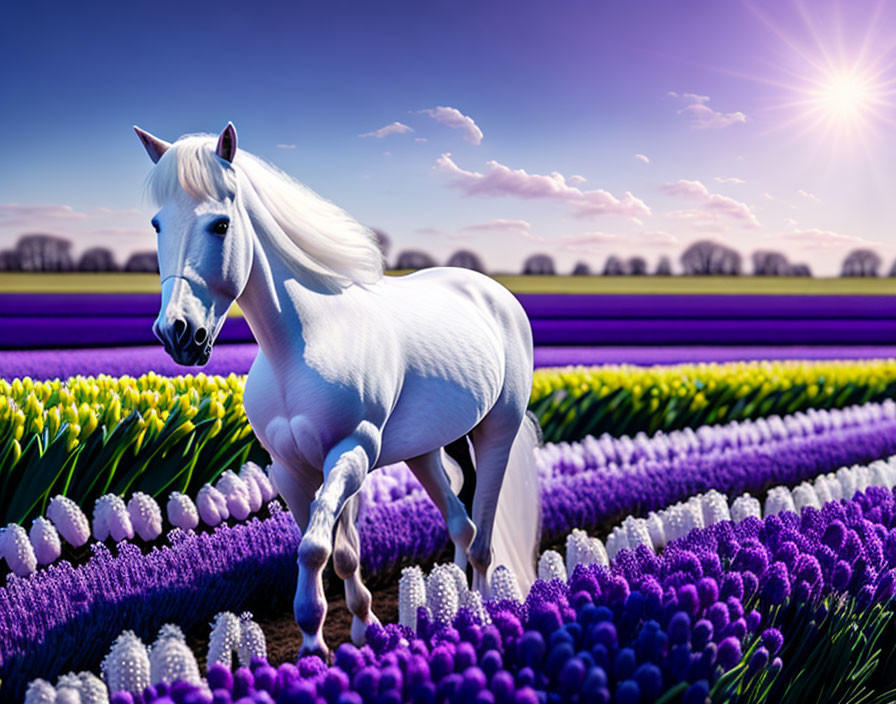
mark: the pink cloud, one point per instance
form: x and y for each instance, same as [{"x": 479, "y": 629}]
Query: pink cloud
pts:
[
  {"x": 455, "y": 119},
  {"x": 809, "y": 196},
  {"x": 643, "y": 158},
  {"x": 711, "y": 205},
  {"x": 729, "y": 180},
  {"x": 501, "y": 180}
]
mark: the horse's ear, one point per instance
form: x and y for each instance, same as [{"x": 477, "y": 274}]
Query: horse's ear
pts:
[
  {"x": 227, "y": 143},
  {"x": 155, "y": 147}
]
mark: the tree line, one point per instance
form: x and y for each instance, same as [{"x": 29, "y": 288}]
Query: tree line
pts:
[{"x": 41, "y": 252}]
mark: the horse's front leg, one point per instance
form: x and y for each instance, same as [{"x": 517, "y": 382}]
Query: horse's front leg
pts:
[
  {"x": 347, "y": 565},
  {"x": 345, "y": 467}
]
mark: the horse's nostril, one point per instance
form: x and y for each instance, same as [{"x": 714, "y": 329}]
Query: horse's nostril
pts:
[
  {"x": 200, "y": 335},
  {"x": 180, "y": 327}
]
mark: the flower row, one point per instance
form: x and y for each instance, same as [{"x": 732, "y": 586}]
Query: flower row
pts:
[{"x": 573, "y": 402}]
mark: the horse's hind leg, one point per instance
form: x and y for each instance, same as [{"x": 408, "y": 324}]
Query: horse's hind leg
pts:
[
  {"x": 431, "y": 474},
  {"x": 492, "y": 440},
  {"x": 347, "y": 564}
]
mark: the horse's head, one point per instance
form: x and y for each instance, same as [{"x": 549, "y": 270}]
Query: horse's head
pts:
[{"x": 204, "y": 240}]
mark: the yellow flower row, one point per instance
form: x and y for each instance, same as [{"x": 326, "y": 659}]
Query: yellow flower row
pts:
[{"x": 823, "y": 378}]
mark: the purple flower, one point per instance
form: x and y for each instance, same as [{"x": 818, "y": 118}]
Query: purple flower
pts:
[
  {"x": 729, "y": 653},
  {"x": 775, "y": 583},
  {"x": 772, "y": 640}
]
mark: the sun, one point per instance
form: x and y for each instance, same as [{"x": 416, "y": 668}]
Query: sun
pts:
[
  {"x": 847, "y": 96},
  {"x": 832, "y": 83}
]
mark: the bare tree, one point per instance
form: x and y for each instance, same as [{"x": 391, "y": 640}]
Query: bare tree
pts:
[
  {"x": 614, "y": 266},
  {"x": 466, "y": 259},
  {"x": 861, "y": 262},
  {"x": 539, "y": 264},
  {"x": 38, "y": 252},
  {"x": 414, "y": 259},
  {"x": 637, "y": 266},
  {"x": 10, "y": 261},
  {"x": 800, "y": 270},
  {"x": 893, "y": 269},
  {"x": 97, "y": 259},
  {"x": 768, "y": 263},
  {"x": 708, "y": 258},
  {"x": 581, "y": 269},
  {"x": 664, "y": 267},
  {"x": 147, "y": 262}
]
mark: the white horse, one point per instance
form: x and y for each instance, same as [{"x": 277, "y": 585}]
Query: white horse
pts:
[{"x": 355, "y": 369}]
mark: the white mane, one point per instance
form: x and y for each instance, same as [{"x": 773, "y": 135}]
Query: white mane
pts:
[{"x": 313, "y": 234}]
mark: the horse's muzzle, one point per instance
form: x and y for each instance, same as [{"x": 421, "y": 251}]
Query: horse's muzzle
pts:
[{"x": 186, "y": 345}]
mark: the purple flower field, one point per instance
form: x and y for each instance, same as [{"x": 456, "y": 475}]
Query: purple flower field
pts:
[
  {"x": 238, "y": 358},
  {"x": 29, "y": 321}
]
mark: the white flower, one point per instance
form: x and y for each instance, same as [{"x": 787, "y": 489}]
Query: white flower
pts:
[
  {"x": 93, "y": 689},
  {"x": 146, "y": 516},
  {"x": 262, "y": 480},
  {"x": 255, "y": 498},
  {"x": 504, "y": 585},
  {"x": 45, "y": 541},
  {"x": 170, "y": 658},
  {"x": 40, "y": 692},
  {"x": 236, "y": 493},
  {"x": 715, "y": 507},
  {"x": 252, "y": 642},
  {"x": 441, "y": 594},
  {"x": 804, "y": 495},
  {"x": 778, "y": 500},
  {"x": 69, "y": 520},
  {"x": 212, "y": 505},
  {"x": 224, "y": 639},
  {"x": 111, "y": 517},
  {"x": 126, "y": 667},
  {"x": 745, "y": 506},
  {"x": 550, "y": 566},
  {"x": 411, "y": 596},
  {"x": 16, "y": 548},
  {"x": 182, "y": 512},
  {"x": 68, "y": 689}
]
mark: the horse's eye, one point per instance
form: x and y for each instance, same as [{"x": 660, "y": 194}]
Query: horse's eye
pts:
[
  {"x": 155, "y": 225},
  {"x": 220, "y": 226}
]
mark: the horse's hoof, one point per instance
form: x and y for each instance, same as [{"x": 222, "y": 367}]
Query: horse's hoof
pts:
[
  {"x": 359, "y": 628},
  {"x": 314, "y": 645}
]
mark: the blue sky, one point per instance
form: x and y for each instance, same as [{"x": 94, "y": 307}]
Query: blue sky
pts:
[{"x": 765, "y": 124}]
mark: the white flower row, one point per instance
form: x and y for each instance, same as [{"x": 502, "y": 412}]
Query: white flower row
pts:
[
  {"x": 237, "y": 495},
  {"x": 131, "y": 666},
  {"x": 440, "y": 595}
]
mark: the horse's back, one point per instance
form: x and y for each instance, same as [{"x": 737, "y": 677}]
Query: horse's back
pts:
[{"x": 463, "y": 339}]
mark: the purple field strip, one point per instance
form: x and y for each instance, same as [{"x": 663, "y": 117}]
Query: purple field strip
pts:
[
  {"x": 695, "y": 306},
  {"x": 90, "y": 305},
  {"x": 45, "y": 333},
  {"x": 238, "y": 358}
]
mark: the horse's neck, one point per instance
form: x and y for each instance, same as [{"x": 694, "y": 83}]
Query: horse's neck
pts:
[{"x": 275, "y": 303}]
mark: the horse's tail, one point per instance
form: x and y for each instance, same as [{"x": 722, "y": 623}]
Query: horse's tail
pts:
[{"x": 517, "y": 530}]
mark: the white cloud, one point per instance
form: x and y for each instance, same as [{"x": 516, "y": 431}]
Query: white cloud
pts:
[
  {"x": 704, "y": 117},
  {"x": 641, "y": 157},
  {"x": 286, "y": 146},
  {"x": 499, "y": 224},
  {"x": 394, "y": 128},
  {"x": 690, "y": 97},
  {"x": 575, "y": 178},
  {"x": 731, "y": 179},
  {"x": 712, "y": 206},
  {"x": 420, "y": 139},
  {"x": 28, "y": 213},
  {"x": 501, "y": 180},
  {"x": 455, "y": 119},
  {"x": 590, "y": 241},
  {"x": 809, "y": 196},
  {"x": 814, "y": 238}
]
